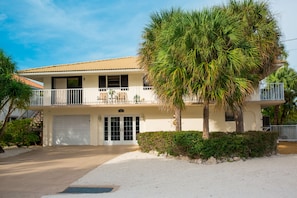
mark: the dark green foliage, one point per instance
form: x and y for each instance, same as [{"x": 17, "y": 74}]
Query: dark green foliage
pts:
[
  {"x": 19, "y": 132},
  {"x": 220, "y": 145}
]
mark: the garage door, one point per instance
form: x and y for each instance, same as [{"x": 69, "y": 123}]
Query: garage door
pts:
[{"x": 71, "y": 130}]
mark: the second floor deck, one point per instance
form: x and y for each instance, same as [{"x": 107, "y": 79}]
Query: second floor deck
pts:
[{"x": 130, "y": 96}]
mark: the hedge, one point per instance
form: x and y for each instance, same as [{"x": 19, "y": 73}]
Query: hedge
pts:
[
  {"x": 220, "y": 145},
  {"x": 19, "y": 132}
]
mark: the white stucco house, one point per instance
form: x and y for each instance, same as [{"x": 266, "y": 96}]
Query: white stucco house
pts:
[{"x": 107, "y": 102}]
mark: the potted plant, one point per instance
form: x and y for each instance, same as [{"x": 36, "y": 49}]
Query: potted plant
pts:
[{"x": 136, "y": 98}]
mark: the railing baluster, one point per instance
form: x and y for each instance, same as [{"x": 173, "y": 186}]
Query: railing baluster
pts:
[{"x": 273, "y": 91}]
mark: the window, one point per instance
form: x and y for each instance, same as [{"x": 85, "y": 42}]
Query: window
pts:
[
  {"x": 115, "y": 81},
  {"x": 102, "y": 81},
  {"x": 74, "y": 82},
  {"x": 229, "y": 115},
  {"x": 67, "y": 82},
  {"x": 146, "y": 83}
]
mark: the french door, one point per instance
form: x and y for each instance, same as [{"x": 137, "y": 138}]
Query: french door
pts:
[{"x": 121, "y": 129}]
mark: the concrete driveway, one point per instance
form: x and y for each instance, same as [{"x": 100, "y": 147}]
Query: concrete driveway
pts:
[{"x": 50, "y": 170}]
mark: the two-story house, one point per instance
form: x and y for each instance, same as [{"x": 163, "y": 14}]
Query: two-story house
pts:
[{"x": 107, "y": 102}]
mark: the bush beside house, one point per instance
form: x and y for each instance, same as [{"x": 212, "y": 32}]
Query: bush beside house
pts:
[
  {"x": 19, "y": 133},
  {"x": 220, "y": 145}
]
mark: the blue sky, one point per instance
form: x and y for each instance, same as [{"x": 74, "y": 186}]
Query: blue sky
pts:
[{"x": 39, "y": 33}]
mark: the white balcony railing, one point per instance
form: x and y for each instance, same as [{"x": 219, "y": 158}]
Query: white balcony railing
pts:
[
  {"x": 131, "y": 95},
  {"x": 268, "y": 92},
  {"x": 92, "y": 96}
]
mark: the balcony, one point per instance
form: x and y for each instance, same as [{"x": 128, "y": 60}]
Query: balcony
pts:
[
  {"x": 272, "y": 92},
  {"x": 131, "y": 95}
]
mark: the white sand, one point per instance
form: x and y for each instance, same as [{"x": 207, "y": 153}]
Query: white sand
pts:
[{"x": 145, "y": 175}]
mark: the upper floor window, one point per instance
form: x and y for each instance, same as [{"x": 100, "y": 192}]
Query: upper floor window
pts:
[
  {"x": 72, "y": 82},
  {"x": 146, "y": 84},
  {"x": 114, "y": 81}
]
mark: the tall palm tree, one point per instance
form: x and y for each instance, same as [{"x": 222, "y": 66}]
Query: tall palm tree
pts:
[
  {"x": 157, "y": 56},
  {"x": 259, "y": 31},
  {"x": 215, "y": 60}
]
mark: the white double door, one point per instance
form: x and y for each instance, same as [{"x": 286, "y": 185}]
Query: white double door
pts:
[{"x": 120, "y": 129}]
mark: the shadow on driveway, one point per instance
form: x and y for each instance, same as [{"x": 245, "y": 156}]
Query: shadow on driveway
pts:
[{"x": 50, "y": 170}]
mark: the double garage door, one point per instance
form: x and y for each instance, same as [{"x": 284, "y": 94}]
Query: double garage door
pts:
[{"x": 71, "y": 130}]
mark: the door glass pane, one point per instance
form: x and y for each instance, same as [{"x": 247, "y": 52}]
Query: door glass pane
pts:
[
  {"x": 106, "y": 128},
  {"x": 128, "y": 128},
  {"x": 115, "y": 128},
  {"x": 137, "y": 126},
  {"x": 74, "y": 93}
]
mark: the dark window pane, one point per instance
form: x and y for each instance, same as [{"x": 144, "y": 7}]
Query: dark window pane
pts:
[
  {"x": 106, "y": 128},
  {"x": 74, "y": 82},
  {"x": 229, "y": 116},
  {"x": 124, "y": 81},
  {"x": 115, "y": 128},
  {"x": 128, "y": 128},
  {"x": 137, "y": 126},
  {"x": 102, "y": 81}
]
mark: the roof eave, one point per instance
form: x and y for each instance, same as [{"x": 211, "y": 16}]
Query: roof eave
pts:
[{"x": 78, "y": 72}]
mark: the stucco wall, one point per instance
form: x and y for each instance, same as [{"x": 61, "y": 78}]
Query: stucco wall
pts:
[{"x": 152, "y": 119}]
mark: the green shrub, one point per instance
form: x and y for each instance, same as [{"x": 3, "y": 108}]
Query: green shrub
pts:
[
  {"x": 18, "y": 132},
  {"x": 219, "y": 145}
]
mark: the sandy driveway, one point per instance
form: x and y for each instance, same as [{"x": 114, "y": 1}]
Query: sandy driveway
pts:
[
  {"x": 50, "y": 170},
  {"x": 145, "y": 175}
]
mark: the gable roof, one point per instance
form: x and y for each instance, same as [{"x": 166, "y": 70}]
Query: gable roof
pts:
[
  {"x": 28, "y": 82},
  {"x": 109, "y": 64}
]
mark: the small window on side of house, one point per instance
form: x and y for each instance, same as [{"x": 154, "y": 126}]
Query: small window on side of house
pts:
[{"x": 229, "y": 116}]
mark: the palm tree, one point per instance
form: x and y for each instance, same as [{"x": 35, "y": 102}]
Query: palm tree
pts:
[
  {"x": 287, "y": 76},
  {"x": 216, "y": 60},
  {"x": 157, "y": 56},
  {"x": 13, "y": 94},
  {"x": 259, "y": 32},
  {"x": 219, "y": 54}
]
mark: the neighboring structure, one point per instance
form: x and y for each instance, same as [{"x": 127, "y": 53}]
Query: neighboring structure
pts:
[
  {"x": 108, "y": 102},
  {"x": 20, "y": 113}
]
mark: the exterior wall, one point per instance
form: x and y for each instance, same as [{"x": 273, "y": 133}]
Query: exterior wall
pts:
[{"x": 151, "y": 119}]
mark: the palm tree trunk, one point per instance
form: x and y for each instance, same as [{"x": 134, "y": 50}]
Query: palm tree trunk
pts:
[
  {"x": 284, "y": 113},
  {"x": 239, "y": 120},
  {"x": 205, "y": 134},
  {"x": 276, "y": 112},
  {"x": 178, "y": 125}
]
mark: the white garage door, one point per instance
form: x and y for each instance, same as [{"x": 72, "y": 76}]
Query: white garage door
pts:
[{"x": 71, "y": 130}]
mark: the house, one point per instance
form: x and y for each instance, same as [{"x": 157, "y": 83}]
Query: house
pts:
[
  {"x": 108, "y": 102},
  {"x": 21, "y": 113}
]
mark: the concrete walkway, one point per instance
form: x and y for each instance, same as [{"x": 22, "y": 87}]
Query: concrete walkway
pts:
[{"x": 50, "y": 170}]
